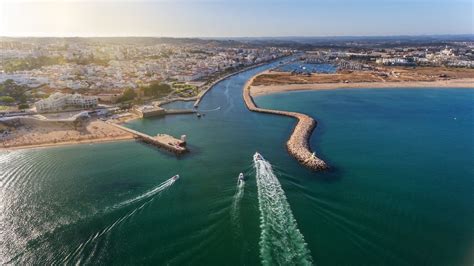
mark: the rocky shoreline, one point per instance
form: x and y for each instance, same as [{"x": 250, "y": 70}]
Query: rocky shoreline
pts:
[{"x": 298, "y": 143}]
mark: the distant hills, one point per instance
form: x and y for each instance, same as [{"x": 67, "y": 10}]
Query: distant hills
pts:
[{"x": 298, "y": 42}]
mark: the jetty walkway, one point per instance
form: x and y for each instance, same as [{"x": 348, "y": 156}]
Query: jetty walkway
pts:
[
  {"x": 298, "y": 143},
  {"x": 167, "y": 142}
]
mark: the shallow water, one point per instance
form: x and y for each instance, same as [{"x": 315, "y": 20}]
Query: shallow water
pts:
[{"x": 400, "y": 191}]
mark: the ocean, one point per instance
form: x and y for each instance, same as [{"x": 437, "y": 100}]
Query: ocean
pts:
[{"x": 399, "y": 191}]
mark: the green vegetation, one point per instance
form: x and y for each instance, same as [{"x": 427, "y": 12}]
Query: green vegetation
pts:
[
  {"x": 29, "y": 63},
  {"x": 156, "y": 89},
  {"x": 185, "y": 90},
  {"x": 10, "y": 89},
  {"x": 23, "y": 106},
  {"x": 7, "y": 99},
  {"x": 89, "y": 60},
  {"x": 128, "y": 95}
]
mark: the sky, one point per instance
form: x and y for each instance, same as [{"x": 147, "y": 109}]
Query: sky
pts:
[{"x": 235, "y": 18}]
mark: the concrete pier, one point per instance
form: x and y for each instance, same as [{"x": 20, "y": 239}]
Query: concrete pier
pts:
[
  {"x": 163, "y": 141},
  {"x": 298, "y": 143}
]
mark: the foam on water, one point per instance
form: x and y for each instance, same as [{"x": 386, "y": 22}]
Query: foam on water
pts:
[
  {"x": 281, "y": 243},
  {"x": 210, "y": 110},
  {"x": 147, "y": 194},
  {"x": 236, "y": 203},
  {"x": 77, "y": 255}
]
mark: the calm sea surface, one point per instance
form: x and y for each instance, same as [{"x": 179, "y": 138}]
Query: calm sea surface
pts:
[
  {"x": 308, "y": 68},
  {"x": 400, "y": 191}
]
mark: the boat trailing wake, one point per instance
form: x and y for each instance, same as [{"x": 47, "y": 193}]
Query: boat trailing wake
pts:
[
  {"x": 236, "y": 202},
  {"x": 210, "y": 110},
  {"x": 281, "y": 243},
  {"x": 78, "y": 254},
  {"x": 166, "y": 184}
]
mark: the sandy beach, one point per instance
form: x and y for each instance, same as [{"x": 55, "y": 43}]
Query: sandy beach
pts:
[
  {"x": 46, "y": 136},
  {"x": 454, "y": 83}
]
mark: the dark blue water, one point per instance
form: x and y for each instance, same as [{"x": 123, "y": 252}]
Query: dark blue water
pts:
[{"x": 400, "y": 191}]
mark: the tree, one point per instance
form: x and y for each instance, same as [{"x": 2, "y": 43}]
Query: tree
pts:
[
  {"x": 7, "y": 99},
  {"x": 128, "y": 95},
  {"x": 156, "y": 89},
  {"x": 10, "y": 88},
  {"x": 23, "y": 106}
]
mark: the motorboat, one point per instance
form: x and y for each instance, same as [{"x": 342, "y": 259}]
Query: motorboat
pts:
[
  {"x": 176, "y": 177},
  {"x": 257, "y": 157},
  {"x": 241, "y": 179}
]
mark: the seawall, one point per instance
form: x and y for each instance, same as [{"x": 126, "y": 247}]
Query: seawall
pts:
[{"x": 298, "y": 143}]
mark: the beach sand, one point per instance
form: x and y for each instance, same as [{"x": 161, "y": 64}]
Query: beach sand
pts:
[
  {"x": 30, "y": 136},
  {"x": 452, "y": 83}
]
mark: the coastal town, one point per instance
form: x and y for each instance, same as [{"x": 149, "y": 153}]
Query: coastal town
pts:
[
  {"x": 57, "y": 79},
  {"x": 230, "y": 132},
  {"x": 67, "y": 90}
]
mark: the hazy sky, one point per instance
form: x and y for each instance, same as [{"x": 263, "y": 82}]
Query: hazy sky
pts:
[{"x": 234, "y": 18}]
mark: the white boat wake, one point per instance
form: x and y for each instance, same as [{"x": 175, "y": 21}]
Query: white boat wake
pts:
[
  {"x": 210, "y": 110},
  {"x": 281, "y": 243},
  {"x": 236, "y": 202},
  {"x": 77, "y": 254},
  {"x": 166, "y": 184}
]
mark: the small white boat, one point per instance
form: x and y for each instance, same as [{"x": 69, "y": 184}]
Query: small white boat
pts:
[
  {"x": 240, "y": 179},
  {"x": 257, "y": 157},
  {"x": 176, "y": 177}
]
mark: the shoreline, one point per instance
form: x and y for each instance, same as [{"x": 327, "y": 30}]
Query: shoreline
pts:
[
  {"x": 126, "y": 135},
  {"x": 261, "y": 90},
  {"x": 66, "y": 143},
  {"x": 298, "y": 143},
  {"x": 204, "y": 92},
  {"x": 33, "y": 133}
]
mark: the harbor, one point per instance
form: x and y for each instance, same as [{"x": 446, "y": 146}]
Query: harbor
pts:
[
  {"x": 298, "y": 143},
  {"x": 123, "y": 183}
]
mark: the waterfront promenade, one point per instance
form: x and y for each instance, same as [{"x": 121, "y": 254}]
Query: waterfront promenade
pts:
[{"x": 298, "y": 143}]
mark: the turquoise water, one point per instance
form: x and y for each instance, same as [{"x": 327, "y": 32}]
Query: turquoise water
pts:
[{"x": 400, "y": 190}]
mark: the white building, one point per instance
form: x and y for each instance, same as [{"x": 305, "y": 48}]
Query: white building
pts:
[{"x": 60, "y": 101}]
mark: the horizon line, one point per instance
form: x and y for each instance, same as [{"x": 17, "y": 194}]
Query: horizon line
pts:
[{"x": 237, "y": 37}]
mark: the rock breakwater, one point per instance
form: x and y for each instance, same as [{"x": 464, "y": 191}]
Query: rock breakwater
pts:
[{"x": 298, "y": 143}]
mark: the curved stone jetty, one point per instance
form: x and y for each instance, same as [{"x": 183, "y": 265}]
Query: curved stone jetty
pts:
[{"x": 298, "y": 143}]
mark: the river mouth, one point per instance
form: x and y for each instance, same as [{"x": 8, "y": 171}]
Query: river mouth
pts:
[{"x": 390, "y": 201}]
